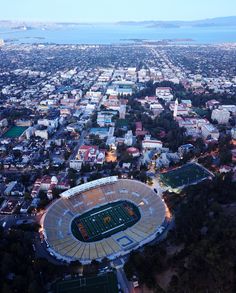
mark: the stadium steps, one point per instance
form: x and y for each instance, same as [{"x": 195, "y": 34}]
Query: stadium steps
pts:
[
  {"x": 100, "y": 250},
  {"x": 80, "y": 251},
  {"x": 74, "y": 250}
]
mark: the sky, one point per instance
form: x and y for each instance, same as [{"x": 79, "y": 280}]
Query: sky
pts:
[{"x": 114, "y": 10}]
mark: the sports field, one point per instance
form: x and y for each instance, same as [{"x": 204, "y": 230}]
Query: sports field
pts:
[
  {"x": 185, "y": 175},
  {"x": 14, "y": 132},
  {"x": 106, "y": 283},
  {"x": 105, "y": 221}
]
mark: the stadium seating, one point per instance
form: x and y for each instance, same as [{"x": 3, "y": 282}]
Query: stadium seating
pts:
[{"x": 58, "y": 219}]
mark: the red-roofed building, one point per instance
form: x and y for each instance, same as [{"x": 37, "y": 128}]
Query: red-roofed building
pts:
[
  {"x": 47, "y": 184},
  {"x": 134, "y": 152},
  {"x": 91, "y": 155}
]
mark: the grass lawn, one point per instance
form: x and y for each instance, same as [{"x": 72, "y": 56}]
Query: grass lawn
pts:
[
  {"x": 185, "y": 175},
  {"x": 105, "y": 221},
  {"x": 14, "y": 132}
]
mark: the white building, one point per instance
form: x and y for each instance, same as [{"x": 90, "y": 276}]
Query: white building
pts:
[
  {"x": 129, "y": 138},
  {"x": 210, "y": 131},
  {"x": 76, "y": 164},
  {"x": 175, "y": 114},
  {"x": 24, "y": 123},
  {"x": 220, "y": 115},
  {"x": 122, "y": 111},
  {"x": 29, "y": 132},
  {"x": 149, "y": 143},
  {"x": 48, "y": 122},
  {"x": 233, "y": 133},
  {"x": 111, "y": 140},
  {"x": 4, "y": 123},
  {"x": 230, "y": 108},
  {"x": 179, "y": 109},
  {"x": 104, "y": 119},
  {"x": 164, "y": 93},
  {"x": 42, "y": 133},
  {"x": 156, "y": 108}
]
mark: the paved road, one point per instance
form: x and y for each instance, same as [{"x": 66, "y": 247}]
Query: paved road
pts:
[
  {"x": 126, "y": 286},
  {"x": 79, "y": 144},
  {"x": 11, "y": 220}
]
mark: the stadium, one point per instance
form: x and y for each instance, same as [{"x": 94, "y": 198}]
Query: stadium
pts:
[{"x": 108, "y": 218}]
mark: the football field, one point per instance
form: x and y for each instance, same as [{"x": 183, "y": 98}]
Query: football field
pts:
[
  {"x": 104, "y": 221},
  {"x": 185, "y": 175}
]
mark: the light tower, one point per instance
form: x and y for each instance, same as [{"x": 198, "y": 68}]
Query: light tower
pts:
[{"x": 176, "y": 108}]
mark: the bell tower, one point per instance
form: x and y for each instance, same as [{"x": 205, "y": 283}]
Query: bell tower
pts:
[{"x": 176, "y": 108}]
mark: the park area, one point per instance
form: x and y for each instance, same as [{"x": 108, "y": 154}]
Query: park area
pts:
[
  {"x": 14, "y": 132},
  {"x": 185, "y": 175},
  {"x": 104, "y": 221}
]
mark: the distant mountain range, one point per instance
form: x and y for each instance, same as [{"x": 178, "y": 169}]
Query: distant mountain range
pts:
[{"x": 218, "y": 21}]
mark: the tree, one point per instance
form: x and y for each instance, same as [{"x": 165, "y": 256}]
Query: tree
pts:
[
  {"x": 34, "y": 287},
  {"x": 72, "y": 176},
  {"x": 6, "y": 288},
  {"x": 205, "y": 262},
  {"x": 225, "y": 156},
  {"x": 126, "y": 158}
]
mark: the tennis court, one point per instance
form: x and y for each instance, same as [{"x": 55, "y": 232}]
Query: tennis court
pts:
[{"x": 105, "y": 221}]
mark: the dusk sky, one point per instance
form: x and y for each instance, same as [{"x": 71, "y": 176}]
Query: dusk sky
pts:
[{"x": 109, "y": 11}]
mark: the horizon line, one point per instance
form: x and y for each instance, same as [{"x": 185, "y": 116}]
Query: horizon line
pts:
[{"x": 109, "y": 22}]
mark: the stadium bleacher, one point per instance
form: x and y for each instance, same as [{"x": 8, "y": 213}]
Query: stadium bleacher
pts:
[{"x": 78, "y": 200}]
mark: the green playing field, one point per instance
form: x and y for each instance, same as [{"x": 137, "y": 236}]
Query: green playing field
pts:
[
  {"x": 185, "y": 175},
  {"x": 105, "y": 221},
  {"x": 106, "y": 283},
  {"x": 15, "y": 131}
]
